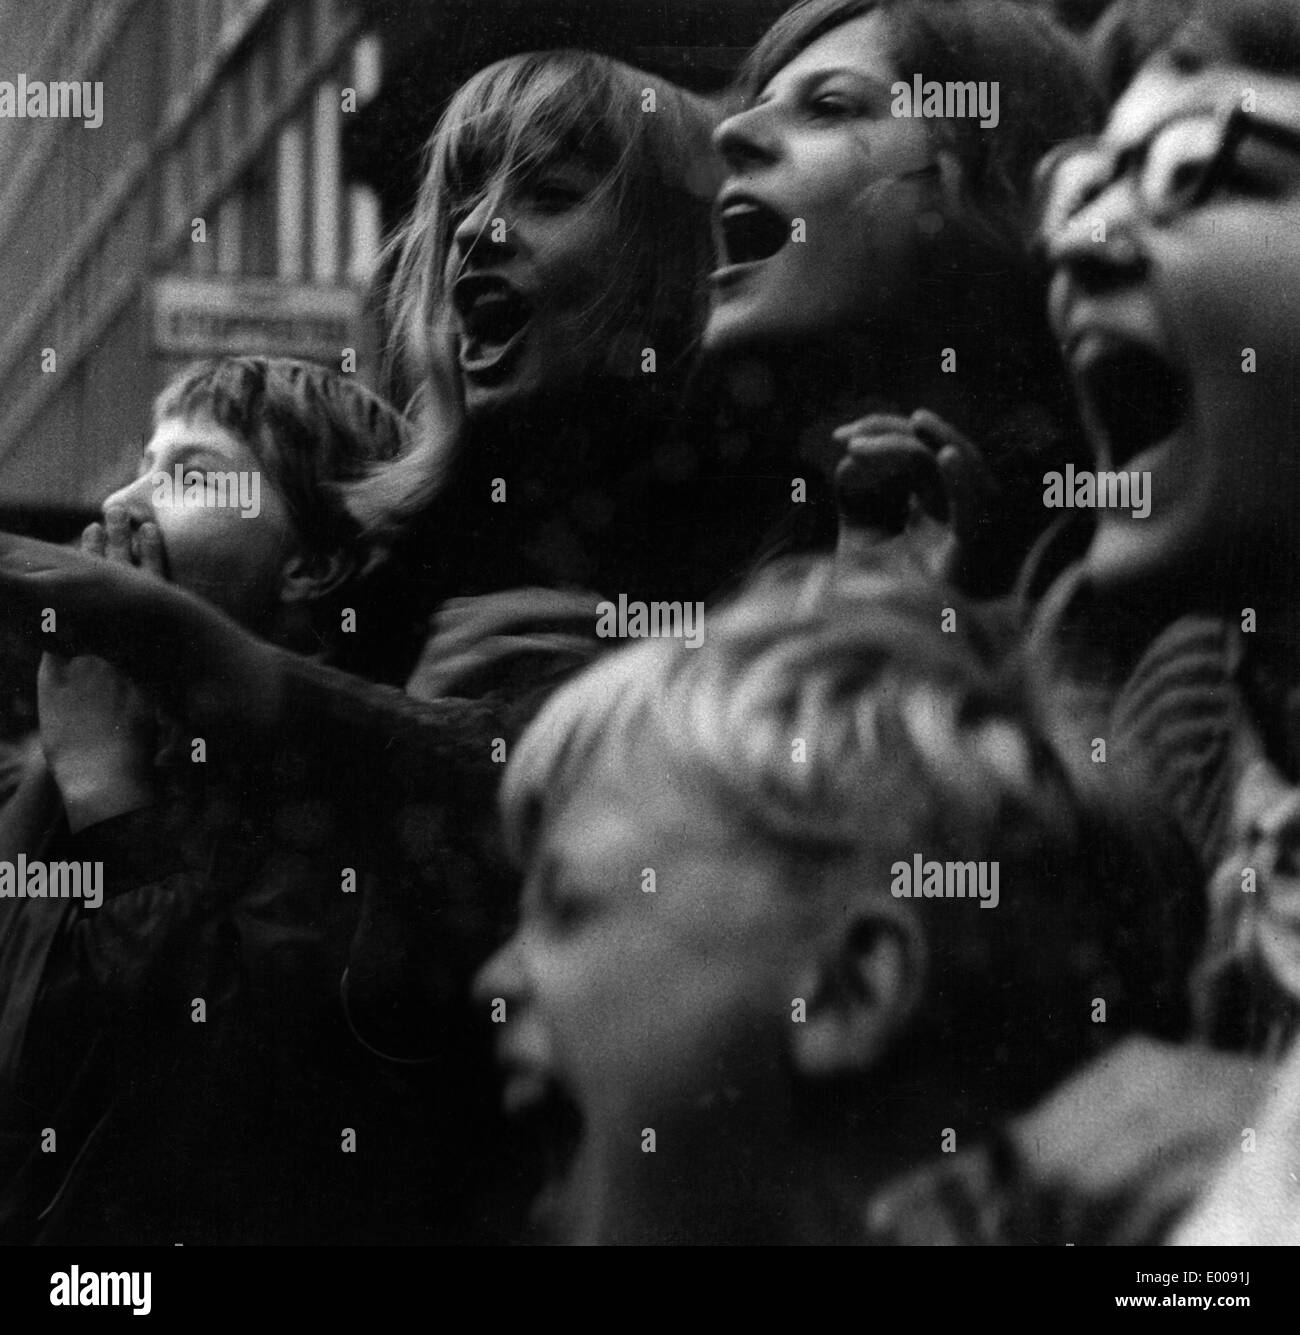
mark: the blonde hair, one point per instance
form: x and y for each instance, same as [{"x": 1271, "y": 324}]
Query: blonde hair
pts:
[
  {"x": 911, "y": 738},
  {"x": 650, "y": 140},
  {"x": 858, "y": 672}
]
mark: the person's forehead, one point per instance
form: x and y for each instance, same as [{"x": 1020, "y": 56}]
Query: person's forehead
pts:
[
  {"x": 861, "y": 45},
  {"x": 197, "y": 430},
  {"x": 626, "y": 814},
  {"x": 629, "y": 816},
  {"x": 1160, "y": 92}
]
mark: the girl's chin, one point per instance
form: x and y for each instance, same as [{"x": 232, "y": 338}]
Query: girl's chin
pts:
[{"x": 757, "y": 323}]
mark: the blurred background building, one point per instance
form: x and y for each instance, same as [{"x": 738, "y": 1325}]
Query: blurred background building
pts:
[
  {"x": 209, "y": 212},
  {"x": 253, "y": 154}
]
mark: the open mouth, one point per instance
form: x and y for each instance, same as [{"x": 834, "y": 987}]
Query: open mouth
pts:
[
  {"x": 551, "y": 1124},
  {"x": 749, "y": 231},
  {"x": 1132, "y": 396},
  {"x": 493, "y": 317}
]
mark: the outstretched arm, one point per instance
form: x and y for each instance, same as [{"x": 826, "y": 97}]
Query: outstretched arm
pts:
[{"x": 371, "y": 745}]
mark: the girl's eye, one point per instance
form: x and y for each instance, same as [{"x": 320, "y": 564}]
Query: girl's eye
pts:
[
  {"x": 564, "y": 906},
  {"x": 1180, "y": 180},
  {"x": 555, "y": 196},
  {"x": 831, "y": 106},
  {"x": 568, "y": 912}
]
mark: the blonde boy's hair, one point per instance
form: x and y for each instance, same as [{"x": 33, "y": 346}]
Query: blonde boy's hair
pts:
[{"x": 844, "y": 724}]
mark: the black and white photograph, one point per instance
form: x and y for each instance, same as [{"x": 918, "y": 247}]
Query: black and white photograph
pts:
[{"x": 649, "y": 623}]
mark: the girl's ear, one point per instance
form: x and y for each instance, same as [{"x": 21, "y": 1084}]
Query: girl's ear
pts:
[
  {"x": 308, "y": 575},
  {"x": 861, "y": 992}
]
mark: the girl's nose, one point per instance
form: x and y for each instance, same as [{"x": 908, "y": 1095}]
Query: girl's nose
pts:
[
  {"x": 748, "y": 139},
  {"x": 501, "y": 976},
  {"x": 483, "y": 233},
  {"x": 1100, "y": 247}
]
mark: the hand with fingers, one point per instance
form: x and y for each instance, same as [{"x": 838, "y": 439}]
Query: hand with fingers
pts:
[
  {"x": 198, "y": 660},
  {"x": 915, "y": 481},
  {"x": 99, "y": 732},
  {"x": 116, "y": 540}
]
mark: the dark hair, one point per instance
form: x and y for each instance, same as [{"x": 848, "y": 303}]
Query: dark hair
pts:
[
  {"x": 314, "y": 431},
  {"x": 982, "y": 274},
  {"x": 1045, "y": 91},
  {"x": 1126, "y": 35},
  {"x": 311, "y": 428}
]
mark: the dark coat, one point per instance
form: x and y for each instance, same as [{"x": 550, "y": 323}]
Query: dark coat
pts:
[{"x": 229, "y": 1121}]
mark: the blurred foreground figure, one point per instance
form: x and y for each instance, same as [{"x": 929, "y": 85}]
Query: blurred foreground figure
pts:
[
  {"x": 1180, "y": 332},
  {"x": 814, "y": 916},
  {"x": 1255, "y": 1198}
]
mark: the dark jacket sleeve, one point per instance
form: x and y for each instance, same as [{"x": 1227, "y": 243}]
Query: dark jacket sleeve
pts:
[{"x": 233, "y": 890}]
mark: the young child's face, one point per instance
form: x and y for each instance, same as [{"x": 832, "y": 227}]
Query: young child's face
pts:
[
  {"x": 648, "y": 989},
  {"x": 231, "y": 554},
  {"x": 1201, "y": 308}
]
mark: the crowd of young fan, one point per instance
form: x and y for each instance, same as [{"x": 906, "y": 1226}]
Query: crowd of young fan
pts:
[{"x": 429, "y": 915}]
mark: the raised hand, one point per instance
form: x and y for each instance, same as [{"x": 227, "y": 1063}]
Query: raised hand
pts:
[
  {"x": 115, "y": 541},
  {"x": 195, "y": 657},
  {"x": 99, "y": 734},
  {"x": 913, "y": 480}
]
